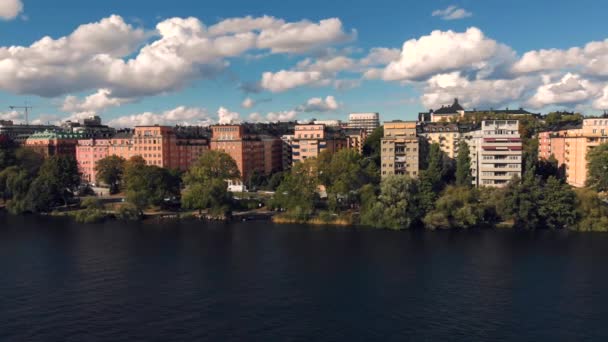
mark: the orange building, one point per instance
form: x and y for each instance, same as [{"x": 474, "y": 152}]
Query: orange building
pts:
[
  {"x": 251, "y": 152},
  {"x": 570, "y": 147}
]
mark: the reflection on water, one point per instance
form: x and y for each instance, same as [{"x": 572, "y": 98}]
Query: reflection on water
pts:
[{"x": 257, "y": 281}]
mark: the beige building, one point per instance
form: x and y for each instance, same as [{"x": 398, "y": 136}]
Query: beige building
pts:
[
  {"x": 447, "y": 135},
  {"x": 400, "y": 146},
  {"x": 310, "y": 140},
  {"x": 496, "y": 152},
  {"x": 571, "y": 146}
]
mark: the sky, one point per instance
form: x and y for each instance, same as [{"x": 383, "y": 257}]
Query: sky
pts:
[{"x": 198, "y": 62}]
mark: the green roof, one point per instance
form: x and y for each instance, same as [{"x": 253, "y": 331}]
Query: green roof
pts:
[{"x": 56, "y": 135}]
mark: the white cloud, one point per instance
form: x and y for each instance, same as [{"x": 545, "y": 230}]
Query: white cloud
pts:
[
  {"x": 571, "y": 89},
  {"x": 289, "y": 115},
  {"x": 10, "y": 9},
  {"x": 256, "y": 117},
  {"x": 452, "y": 13},
  {"x": 107, "y": 54},
  {"x": 248, "y": 103},
  {"x": 95, "y": 102},
  {"x": 13, "y": 115},
  {"x": 177, "y": 116},
  {"x": 227, "y": 117},
  {"x": 443, "y": 51},
  {"x": 380, "y": 56},
  {"x": 287, "y": 79},
  {"x": 443, "y": 88},
  {"x": 318, "y": 104},
  {"x": 303, "y": 36}
]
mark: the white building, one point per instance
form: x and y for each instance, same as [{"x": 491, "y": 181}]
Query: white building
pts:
[
  {"x": 367, "y": 121},
  {"x": 496, "y": 152}
]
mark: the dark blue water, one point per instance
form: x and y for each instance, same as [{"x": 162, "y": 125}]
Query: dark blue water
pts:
[{"x": 256, "y": 281}]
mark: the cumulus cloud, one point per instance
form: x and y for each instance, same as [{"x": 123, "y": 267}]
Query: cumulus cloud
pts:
[
  {"x": 571, "y": 89},
  {"x": 248, "y": 103},
  {"x": 225, "y": 116},
  {"x": 452, "y": 13},
  {"x": 443, "y": 88},
  {"x": 12, "y": 115},
  {"x": 288, "y": 79},
  {"x": 590, "y": 60},
  {"x": 109, "y": 55},
  {"x": 10, "y": 9},
  {"x": 318, "y": 104},
  {"x": 256, "y": 117},
  {"x": 95, "y": 102},
  {"x": 289, "y": 115},
  {"x": 178, "y": 116},
  {"x": 443, "y": 51}
]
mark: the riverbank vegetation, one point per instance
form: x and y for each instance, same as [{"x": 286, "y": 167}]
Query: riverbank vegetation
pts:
[{"x": 343, "y": 188}]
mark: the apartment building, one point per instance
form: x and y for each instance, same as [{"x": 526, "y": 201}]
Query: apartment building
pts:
[
  {"x": 447, "y": 135},
  {"x": 53, "y": 143},
  {"x": 400, "y": 154},
  {"x": 496, "y": 152},
  {"x": 19, "y": 133},
  {"x": 570, "y": 146},
  {"x": 367, "y": 121},
  {"x": 251, "y": 152},
  {"x": 161, "y": 146},
  {"x": 310, "y": 140}
]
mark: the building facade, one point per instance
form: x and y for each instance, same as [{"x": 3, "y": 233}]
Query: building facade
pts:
[
  {"x": 20, "y": 133},
  {"x": 367, "y": 121},
  {"x": 496, "y": 153},
  {"x": 53, "y": 143},
  {"x": 400, "y": 149},
  {"x": 570, "y": 147},
  {"x": 310, "y": 140},
  {"x": 447, "y": 135}
]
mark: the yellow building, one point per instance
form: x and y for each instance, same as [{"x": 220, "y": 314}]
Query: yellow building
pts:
[
  {"x": 400, "y": 152},
  {"x": 447, "y": 135}
]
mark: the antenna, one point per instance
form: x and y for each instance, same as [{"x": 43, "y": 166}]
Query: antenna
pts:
[{"x": 26, "y": 109}]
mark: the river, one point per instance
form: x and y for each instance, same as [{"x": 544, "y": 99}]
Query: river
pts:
[{"x": 193, "y": 281}]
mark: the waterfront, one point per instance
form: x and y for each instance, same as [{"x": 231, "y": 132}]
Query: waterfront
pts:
[{"x": 192, "y": 281}]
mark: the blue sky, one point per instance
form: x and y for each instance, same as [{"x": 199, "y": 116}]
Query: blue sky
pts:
[{"x": 487, "y": 53}]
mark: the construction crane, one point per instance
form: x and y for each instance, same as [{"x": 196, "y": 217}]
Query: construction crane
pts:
[{"x": 26, "y": 109}]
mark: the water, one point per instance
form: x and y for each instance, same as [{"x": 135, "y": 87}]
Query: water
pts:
[{"x": 62, "y": 281}]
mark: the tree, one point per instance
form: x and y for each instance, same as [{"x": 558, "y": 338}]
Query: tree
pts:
[
  {"x": 463, "y": 165},
  {"x": 522, "y": 199},
  {"x": 597, "y": 173},
  {"x": 396, "y": 207},
  {"x": 212, "y": 165},
  {"x": 558, "y": 205},
  {"x": 58, "y": 178},
  {"x": 147, "y": 185},
  {"x": 432, "y": 179},
  {"x": 458, "y": 207},
  {"x": 372, "y": 145},
  {"x": 7, "y": 152},
  {"x": 592, "y": 211},
  {"x": 298, "y": 191},
  {"x": 206, "y": 186},
  {"x": 549, "y": 167},
  {"x": 110, "y": 170}
]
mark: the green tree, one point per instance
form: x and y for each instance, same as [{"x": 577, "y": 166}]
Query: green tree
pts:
[
  {"x": 372, "y": 145},
  {"x": 396, "y": 207},
  {"x": 522, "y": 199},
  {"x": 463, "y": 165},
  {"x": 148, "y": 185},
  {"x": 558, "y": 205},
  {"x": 592, "y": 211},
  {"x": 206, "y": 186},
  {"x": 458, "y": 207},
  {"x": 597, "y": 173},
  {"x": 212, "y": 165},
  {"x": 432, "y": 179},
  {"x": 58, "y": 179},
  {"x": 7, "y": 152},
  {"x": 110, "y": 171},
  {"x": 298, "y": 191}
]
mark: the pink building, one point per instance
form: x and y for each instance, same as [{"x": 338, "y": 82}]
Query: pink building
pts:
[{"x": 88, "y": 153}]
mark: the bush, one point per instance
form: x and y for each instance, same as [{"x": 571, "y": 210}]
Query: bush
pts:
[
  {"x": 128, "y": 212},
  {"x": 90, "y": 216},
  {"x": 91, "y": 203}
]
